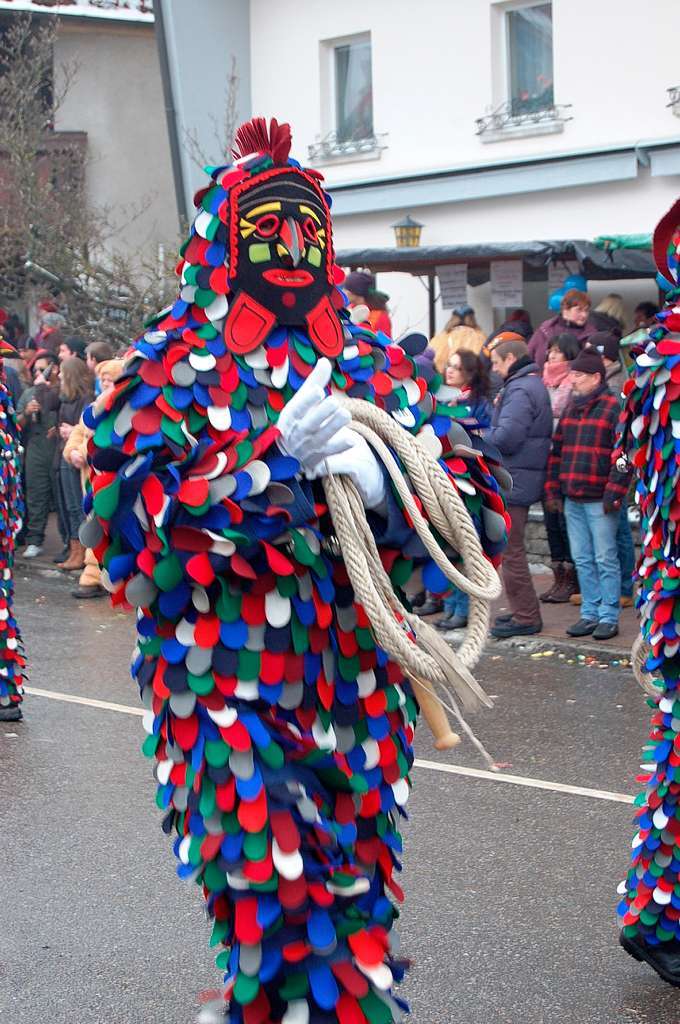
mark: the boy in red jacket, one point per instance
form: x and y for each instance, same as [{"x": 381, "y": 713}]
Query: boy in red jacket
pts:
[{"x": 581, "y": 478}]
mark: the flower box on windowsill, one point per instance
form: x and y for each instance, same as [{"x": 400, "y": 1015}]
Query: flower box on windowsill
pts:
[
  {"x": 674, "y": 100},
  {"x": 505, "y": 123},
  {"x": 330, "y": 150}
]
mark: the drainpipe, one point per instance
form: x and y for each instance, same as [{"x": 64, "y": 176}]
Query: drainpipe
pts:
[
  {"x": 170, "y": 114},
  {"x": 431, "y": 301}
]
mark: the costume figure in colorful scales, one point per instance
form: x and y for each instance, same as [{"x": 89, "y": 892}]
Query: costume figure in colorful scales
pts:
[
  {"x": 282, "y": 734},
  {"x": 12, "y": 659},
  {"x": 649, "y": 910}
]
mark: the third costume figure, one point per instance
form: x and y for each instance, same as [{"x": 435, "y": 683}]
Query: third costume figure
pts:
[
  {"x": 12, "y": 658},
  {"x": 282, "y": 733},
  {"x": 649, "y": 910}
]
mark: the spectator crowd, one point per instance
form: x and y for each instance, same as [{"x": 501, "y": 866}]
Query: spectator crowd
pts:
[
  {"x": 556, "y": 395},
  {"x": 51, "y": 383},
  {"x": 546, "y": 402}
]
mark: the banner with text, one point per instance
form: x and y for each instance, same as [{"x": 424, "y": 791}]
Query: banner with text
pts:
[
  {"x": 453, "y": 285},
  {"x": 506, "y": 283}
]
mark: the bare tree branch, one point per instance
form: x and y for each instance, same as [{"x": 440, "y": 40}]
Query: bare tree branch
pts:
[
  {"x": 224, "y": 128},
  {"x": 46, "y": 217}
]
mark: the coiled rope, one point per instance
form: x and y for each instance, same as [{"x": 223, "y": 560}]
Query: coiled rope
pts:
[
  {"x": 638, "y": 658},
  {"x": 406, "y": 638}
]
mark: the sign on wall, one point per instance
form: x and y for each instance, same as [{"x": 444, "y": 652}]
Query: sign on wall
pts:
[
  {"x": 453, "y": 285},
  {"x": 559, "y": 272},
  {"x": 506, "y": 283}
]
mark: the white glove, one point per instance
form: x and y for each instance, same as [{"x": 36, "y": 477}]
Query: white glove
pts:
[
  {"x": 310, "y": 422},
  {"x": 314, "y": 431},
  {"x": 358, "y": 462}
]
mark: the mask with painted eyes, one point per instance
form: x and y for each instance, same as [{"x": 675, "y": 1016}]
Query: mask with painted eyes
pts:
[{"x": 281, "y": 267}]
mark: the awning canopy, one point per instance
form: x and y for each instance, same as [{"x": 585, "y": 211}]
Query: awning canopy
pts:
[{"x": 595, "y": 264}]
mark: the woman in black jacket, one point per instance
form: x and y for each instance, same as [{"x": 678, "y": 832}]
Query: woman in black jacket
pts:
[{"x": 76, "y": 391}]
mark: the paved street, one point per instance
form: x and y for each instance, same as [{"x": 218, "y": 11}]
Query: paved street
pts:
[{"x": 510, "y": 888}]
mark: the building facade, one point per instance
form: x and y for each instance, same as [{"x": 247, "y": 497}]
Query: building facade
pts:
[
  {"x": 486, "y": 120},
  {"x": 114, "y": 111}
]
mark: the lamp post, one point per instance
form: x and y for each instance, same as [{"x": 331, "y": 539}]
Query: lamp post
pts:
[{"x": 407, "y": 233}]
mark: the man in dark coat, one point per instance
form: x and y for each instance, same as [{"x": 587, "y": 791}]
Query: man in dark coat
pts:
[{"x": 521, "y": 430}]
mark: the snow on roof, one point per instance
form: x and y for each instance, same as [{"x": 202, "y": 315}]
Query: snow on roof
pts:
[{"x": 110, "y": 10}]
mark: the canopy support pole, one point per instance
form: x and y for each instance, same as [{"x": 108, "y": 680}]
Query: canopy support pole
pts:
[{"x": 430, "y": 301}]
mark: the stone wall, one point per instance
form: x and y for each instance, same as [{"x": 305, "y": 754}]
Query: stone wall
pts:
[{"x": 537, "y": 541}]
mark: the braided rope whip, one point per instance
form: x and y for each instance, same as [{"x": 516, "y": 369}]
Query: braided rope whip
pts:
[
  {"x": 406, "y": 638},
  {"x": 638, "y": 656}
]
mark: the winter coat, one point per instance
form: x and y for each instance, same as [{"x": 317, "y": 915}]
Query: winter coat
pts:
[
  {"x": 605, "y": 322},
  {"x": 379, "y": 320},
  {"x": 521, "y": 430},
  {"x": 549, "y": 329},
  {"x": 14, "y": 385},
  {"x": 521, "y": 327},
  {"x": 70, "y": 411},
  {"x": 580, "y": 464},
  {"x": 616, "y": 377},
  {"x": 35, "y": 428},
  {"x": 77, "y": 442}
]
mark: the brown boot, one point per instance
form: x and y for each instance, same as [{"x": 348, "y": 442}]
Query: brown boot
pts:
[
  {"x": 547, "y": 596},
  {"x": 568, "y": 585},
  {"x": 76, "y": 558}
]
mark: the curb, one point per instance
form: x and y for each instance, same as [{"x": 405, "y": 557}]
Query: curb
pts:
[
  {"x": 562, "y": 646},
  {"x": 545, "y": 644},
  {"x": 42, "y": 568}
]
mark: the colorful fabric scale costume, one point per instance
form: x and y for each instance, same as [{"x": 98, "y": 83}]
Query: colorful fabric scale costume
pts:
[
  {"x": 282, "y": 734},
  {"x": 12, "y": 659},
  {"x": 649, "y": 910}
]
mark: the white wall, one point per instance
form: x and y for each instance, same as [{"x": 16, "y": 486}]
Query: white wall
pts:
[
  {"x": 433, "y": 74},
  {"x": 437, "y": 66},
  {"x": 118, "y": 100}
]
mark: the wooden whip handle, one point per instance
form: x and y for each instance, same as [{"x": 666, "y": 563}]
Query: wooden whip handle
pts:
[{"x": 435, "y": 716}]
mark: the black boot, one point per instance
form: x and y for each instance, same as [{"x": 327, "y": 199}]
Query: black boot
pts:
[
  {"x": 547, "y": 596},
  {"x": 568, "y": 585},
  {"x": 11, "y": 713},
  {"x": 584, "y": 627},
  {"x": 664, "y": 958},
  {"x": 505, "y": 630}
]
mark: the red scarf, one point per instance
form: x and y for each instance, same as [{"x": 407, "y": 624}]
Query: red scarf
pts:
[{"x": 555, "y": 373}]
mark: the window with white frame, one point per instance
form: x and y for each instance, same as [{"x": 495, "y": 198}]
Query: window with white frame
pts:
[
  {"x": 529, "y": 35},
  {"x": 346, "y": 81},
  {"x": 353, "y": 89}
]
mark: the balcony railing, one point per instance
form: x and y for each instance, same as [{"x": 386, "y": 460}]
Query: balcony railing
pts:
[
  {"x": 122, "y": 10},
  {"x": 507, "y": 118},
  {"x": 143, "y": 6},
  {"x": 674, "y": 100},
  {"x": 333, "y": 148}
]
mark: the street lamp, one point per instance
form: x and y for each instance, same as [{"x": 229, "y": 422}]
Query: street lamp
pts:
[{"x": 407, "y": 233}]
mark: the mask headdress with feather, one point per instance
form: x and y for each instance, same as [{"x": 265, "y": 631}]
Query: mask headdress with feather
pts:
[{"x": 260, "y": 252}]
